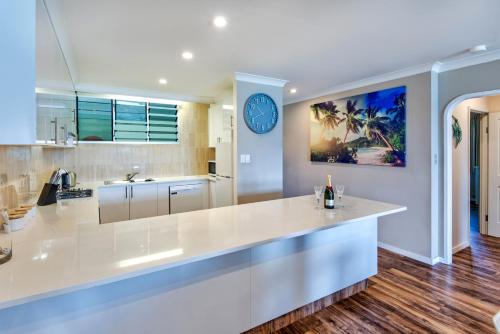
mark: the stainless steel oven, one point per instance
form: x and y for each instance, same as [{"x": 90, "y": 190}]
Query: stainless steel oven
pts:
[{"x": 212, "y": 170}]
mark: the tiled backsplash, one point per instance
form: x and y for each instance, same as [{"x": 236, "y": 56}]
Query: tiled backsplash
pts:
[{"x": 28, "y": 168}]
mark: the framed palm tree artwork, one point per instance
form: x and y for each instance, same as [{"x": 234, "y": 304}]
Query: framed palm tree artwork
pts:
[{"x": 367, "y": 129}]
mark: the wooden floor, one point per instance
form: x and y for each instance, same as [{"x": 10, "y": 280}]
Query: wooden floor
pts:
[{"x": 409, "y": 297}]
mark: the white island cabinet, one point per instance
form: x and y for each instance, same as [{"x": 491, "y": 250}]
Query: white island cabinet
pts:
[{"x": 223, "y": 270}]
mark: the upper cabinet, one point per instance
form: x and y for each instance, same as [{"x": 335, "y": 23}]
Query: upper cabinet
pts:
[
  {"x": 220, "y": 120},
  {"x": 36, "y": 89},
  {"x": 55, "y": 118},
  {"x": 55, "y": 97},
  {"x": 17, "y": 68}
]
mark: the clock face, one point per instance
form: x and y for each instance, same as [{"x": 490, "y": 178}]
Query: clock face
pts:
[{"x": 260, "y": 113}]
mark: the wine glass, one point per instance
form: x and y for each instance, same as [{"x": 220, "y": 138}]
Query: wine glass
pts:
[
  {"x": 340, "y": 192},
  {"x": 318, "y": 192}
]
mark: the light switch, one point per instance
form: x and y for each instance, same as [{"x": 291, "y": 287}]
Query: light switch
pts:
[
  {"x": 242, "y": 158},
  {"x": 247, "y": 159}
]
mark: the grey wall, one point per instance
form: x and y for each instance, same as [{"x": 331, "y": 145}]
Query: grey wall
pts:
[
  {"x": 262, "y": 179},
  {"x": 17, "y": 72},
  {"x": 452, "y": 84},
  {"x": 409, "y": 186}
]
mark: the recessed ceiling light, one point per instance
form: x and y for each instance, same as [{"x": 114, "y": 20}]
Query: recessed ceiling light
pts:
[
  {"x": 478, "y": 48},
  {"x": 187, "y": 55},
  {"x": 163, "y": 81},
  {"x": 293, "y": 90},
  {"x": 220, "y": 21}
]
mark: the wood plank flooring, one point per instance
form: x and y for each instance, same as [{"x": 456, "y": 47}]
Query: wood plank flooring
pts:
[{"x": 410, "y": 297}]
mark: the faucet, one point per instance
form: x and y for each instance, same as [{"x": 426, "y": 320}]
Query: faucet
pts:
[{"x": 130, "y": 176}]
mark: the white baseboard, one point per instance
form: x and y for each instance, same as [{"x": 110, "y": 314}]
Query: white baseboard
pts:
[
  {"x": 411, "y": 255},
  {"x": 437, "y": 260},
  {"x": 461, "y": 246}
]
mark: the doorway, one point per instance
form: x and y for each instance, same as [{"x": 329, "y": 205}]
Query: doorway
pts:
[
  {"x": 489, "y": 175},
  {"x": 478, "y": 171}
]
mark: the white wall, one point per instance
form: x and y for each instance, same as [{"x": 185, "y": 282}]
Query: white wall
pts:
[
  {"x": 461, "y": 173},
  {"x": 17, "y": 72},
  {"x": 410, "y": 186},
  {"x": 262, "y": 179}
]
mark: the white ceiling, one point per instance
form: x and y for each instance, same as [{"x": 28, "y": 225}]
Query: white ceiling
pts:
[{"x": 315, "y": 44}]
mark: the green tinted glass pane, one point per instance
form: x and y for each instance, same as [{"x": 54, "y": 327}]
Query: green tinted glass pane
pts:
[
  {"x": 94, "y": 130},
  {"x": 162, "y": 137},
  {"x": 94, "y": 119},
  {"x": 137, "y": 136},
  {"x": 130, "y": 111},
  {"x": 130, "y": 127},
  {"x": 162, "y": 129}
]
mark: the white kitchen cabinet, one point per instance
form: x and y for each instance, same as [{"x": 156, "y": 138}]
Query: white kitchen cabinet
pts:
[
  {"x": 17, "y": 68},
  {"x": 163, "y": 199},
  {"x": 224, "y": 191},
  {"x": 143, "y": 201},
  {"x": 55, "y": 118},
  {"x": 219, "y": 125},
  {"x": 212, "y": 184},
  {"x": 188, "y": 197},
  {"x": 114, "y": 204}
]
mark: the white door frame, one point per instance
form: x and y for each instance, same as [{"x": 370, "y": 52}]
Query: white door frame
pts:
[{"x": 448, "y": 169}]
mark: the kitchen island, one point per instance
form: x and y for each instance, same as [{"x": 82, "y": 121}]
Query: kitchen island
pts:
[{"x": 223, "y": 270}]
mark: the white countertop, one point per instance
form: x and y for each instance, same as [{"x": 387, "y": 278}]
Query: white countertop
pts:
[
  {"x": 63, "y": 248},
  {"x": 169, "y": 179}
]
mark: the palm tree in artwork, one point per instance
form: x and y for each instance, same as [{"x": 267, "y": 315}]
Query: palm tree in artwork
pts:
[
  {"x": 399, "y": 108},
  {"x": 353, "y": 123},
  {"x": 327, "y": 114},
  {"x": 376, "y": 125}
]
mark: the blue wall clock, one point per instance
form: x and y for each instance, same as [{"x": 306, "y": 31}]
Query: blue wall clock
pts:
[{"x": 260, "y": 113}]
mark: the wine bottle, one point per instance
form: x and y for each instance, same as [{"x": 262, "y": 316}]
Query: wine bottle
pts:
[{"x": 329, "y": 196}]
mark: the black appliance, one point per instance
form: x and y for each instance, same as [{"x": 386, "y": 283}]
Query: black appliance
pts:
[{"x": 212, "y": 170}]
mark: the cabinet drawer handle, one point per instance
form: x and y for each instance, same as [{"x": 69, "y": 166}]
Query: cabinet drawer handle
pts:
[
  {"x": 131, "y": 192},
  {"x": 126, "y": 192}
]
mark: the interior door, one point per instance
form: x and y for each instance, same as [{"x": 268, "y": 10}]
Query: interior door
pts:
[
  {"x": 143, "y": 201},
  {"x": 494, "y": 175},
  {"x": 113, "y": 204}
]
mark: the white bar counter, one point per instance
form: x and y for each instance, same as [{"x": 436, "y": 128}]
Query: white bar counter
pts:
[{"x": 221, "y": 270}]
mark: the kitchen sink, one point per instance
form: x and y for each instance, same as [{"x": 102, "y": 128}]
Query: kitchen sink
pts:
[{"x": 110, "y": 182}]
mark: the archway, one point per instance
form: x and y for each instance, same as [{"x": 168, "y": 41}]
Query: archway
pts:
[{"x": 448, "y": 170}]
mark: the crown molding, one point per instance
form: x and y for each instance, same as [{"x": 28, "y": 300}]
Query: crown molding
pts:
[
  {"x": 258, "y": 79},
  {"x": 438, "y": 67},
  {"x": 136, "y": 94},
  {"x": 470, "y": 60},
  {"x": 368, "y": 82}
]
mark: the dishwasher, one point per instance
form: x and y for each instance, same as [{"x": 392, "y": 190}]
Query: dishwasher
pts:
[{"x": 187, "y": 197}]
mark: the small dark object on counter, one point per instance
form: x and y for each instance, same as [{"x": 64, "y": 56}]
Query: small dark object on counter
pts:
[
  {"x": 74, "y": 193},
  {"x": 48, "y": 194}
]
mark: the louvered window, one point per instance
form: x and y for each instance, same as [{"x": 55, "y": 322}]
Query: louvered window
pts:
[
  {"x": 126, "y": 121},
  {"x": 130, "y": 121},
  {"x": 95, "y": 119},
  {"x": 163, "y": 122}
]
